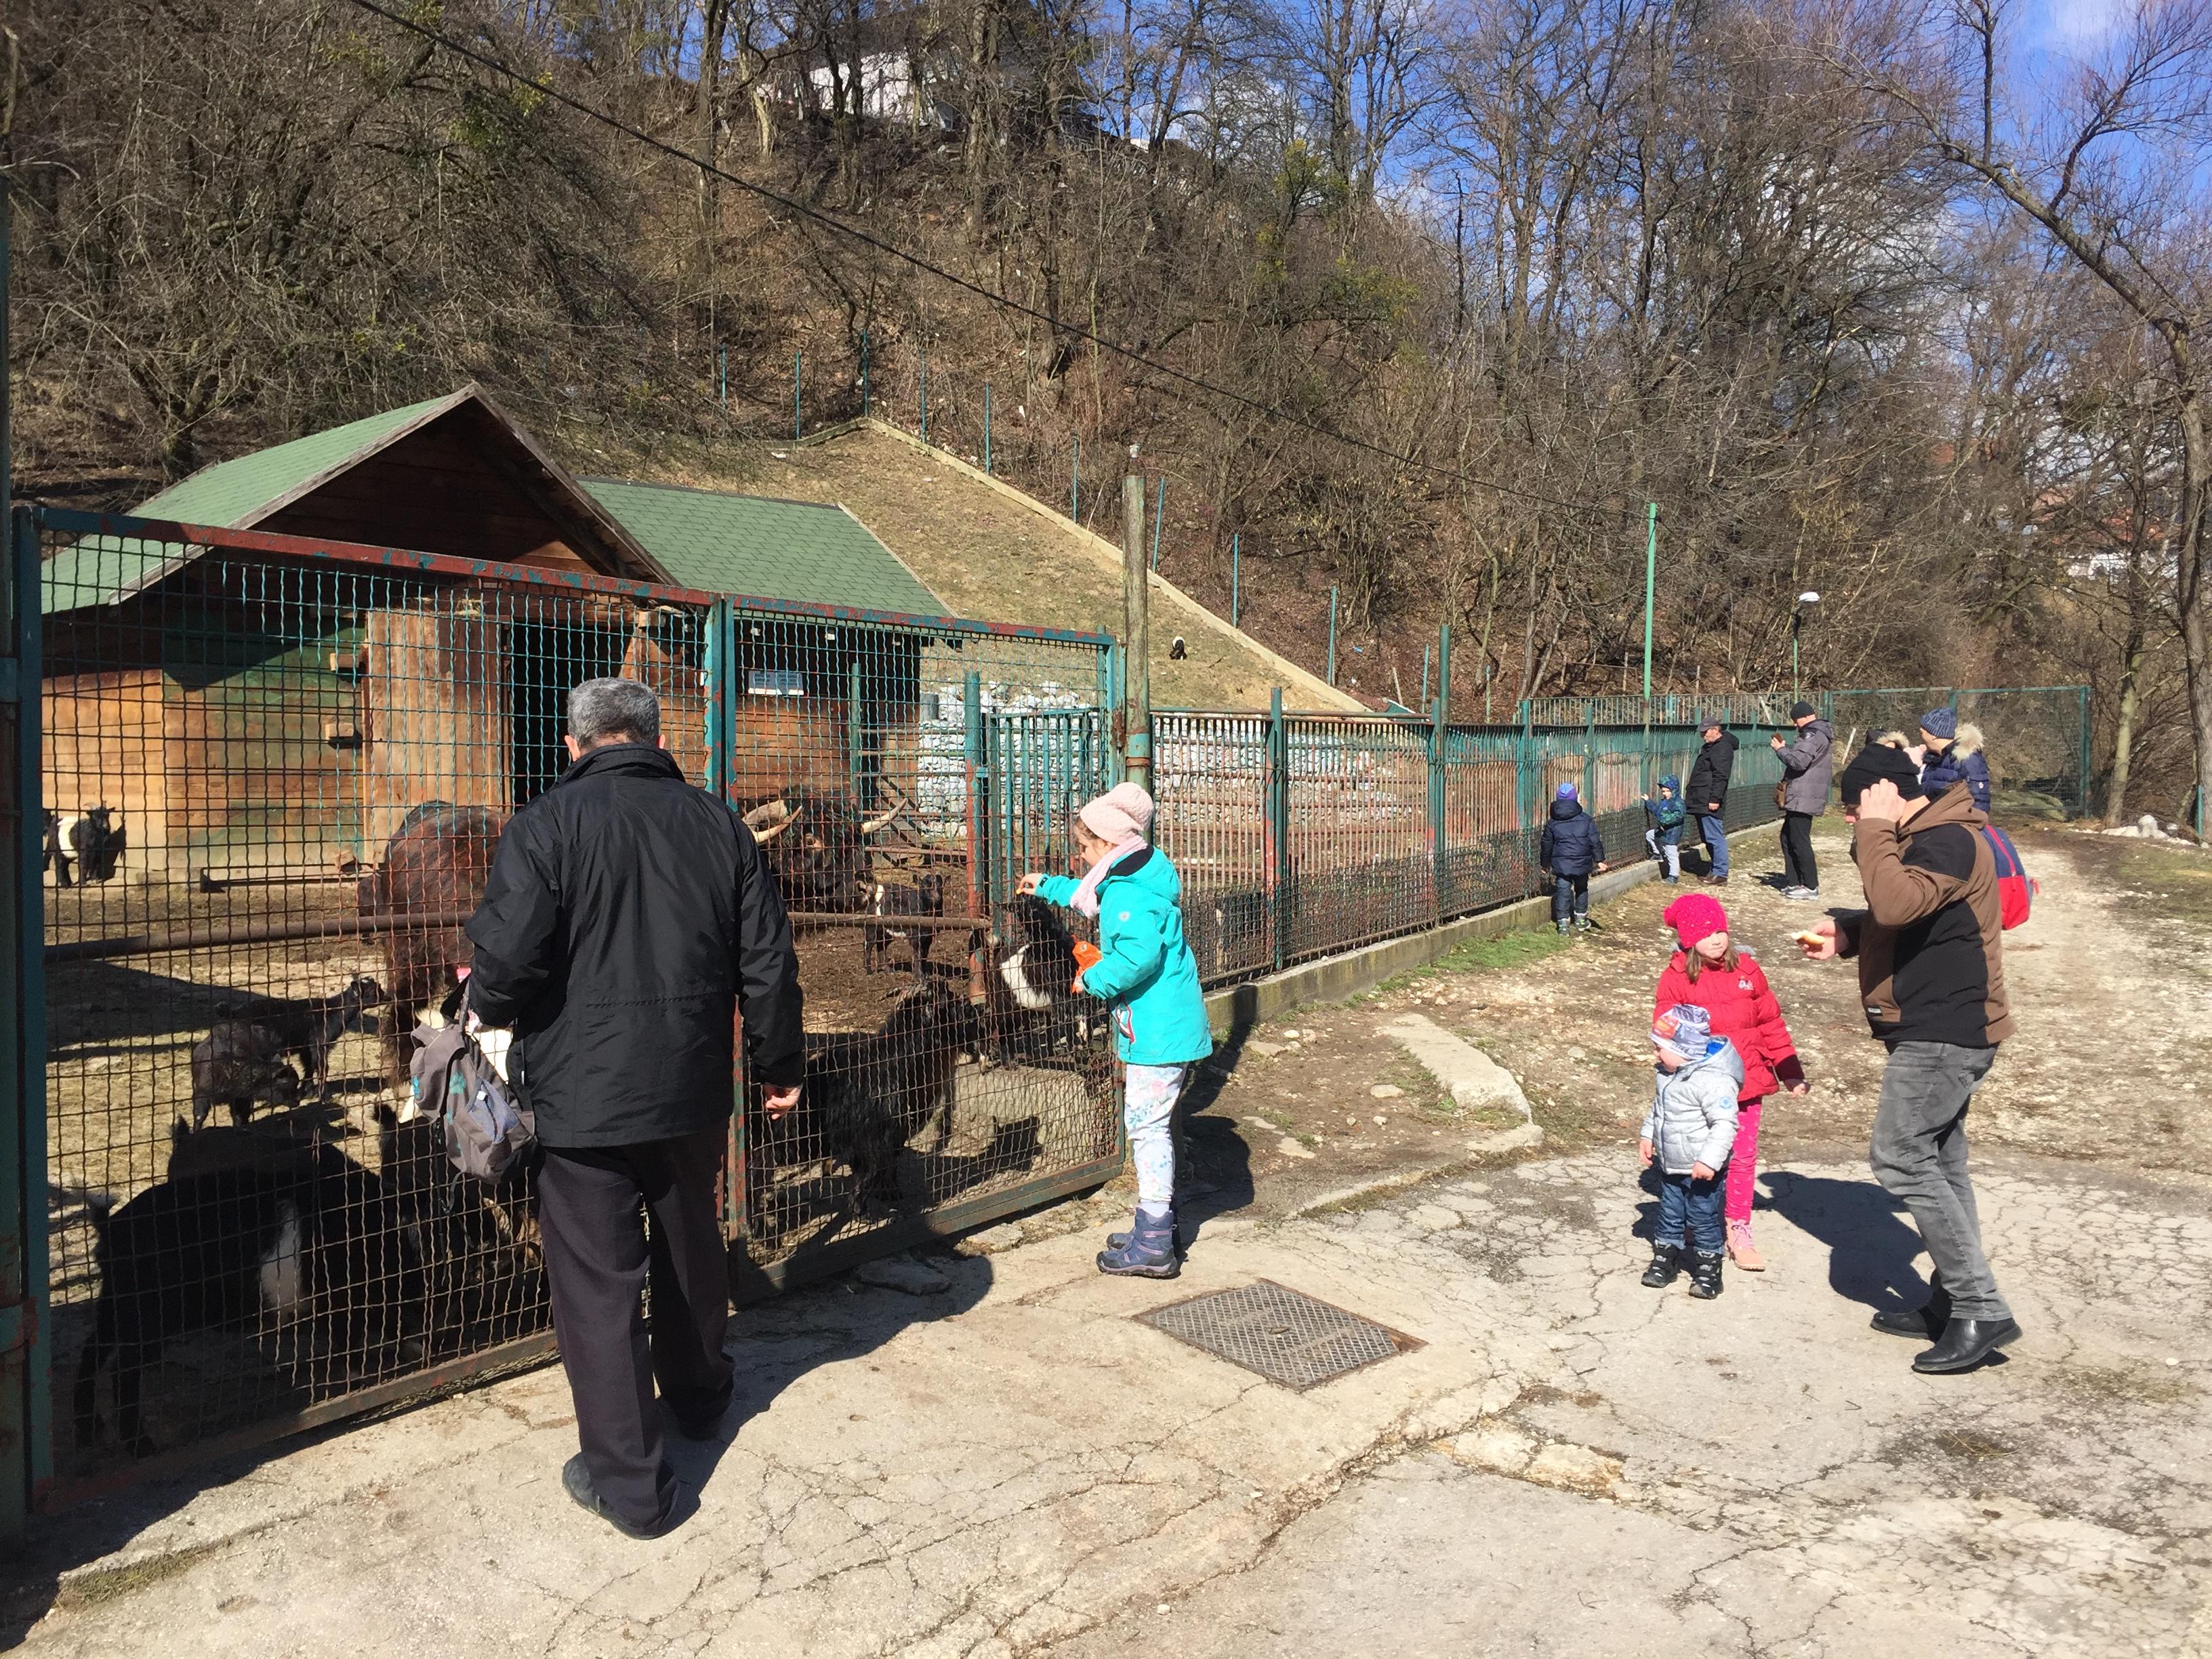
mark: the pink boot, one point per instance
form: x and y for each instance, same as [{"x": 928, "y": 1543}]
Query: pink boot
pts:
[{"x": 1739, "y": 1249}]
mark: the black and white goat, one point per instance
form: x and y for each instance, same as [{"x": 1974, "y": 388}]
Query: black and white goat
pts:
[
  {"x": 92, "y": 838},
  {"x": 1031, "y": 1007},
  {"x": 925, "y": 898}
]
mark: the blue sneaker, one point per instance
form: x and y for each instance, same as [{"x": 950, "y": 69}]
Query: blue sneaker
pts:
[{"x": 1148, "y": 1251}]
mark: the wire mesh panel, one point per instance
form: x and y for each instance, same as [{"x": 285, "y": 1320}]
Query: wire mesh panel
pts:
[
  {"x": 1361, "y": 866},
  {"x": 901, "y": 772},
  {"x": 1489, "y": 846},
  {"x": 1210, "y": 775}
]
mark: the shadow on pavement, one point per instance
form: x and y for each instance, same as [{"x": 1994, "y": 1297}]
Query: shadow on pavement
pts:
[{"x": 1871, "y": 1249}]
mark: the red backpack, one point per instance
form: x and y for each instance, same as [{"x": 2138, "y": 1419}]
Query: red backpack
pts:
[{"x": 2016, "y": 888}]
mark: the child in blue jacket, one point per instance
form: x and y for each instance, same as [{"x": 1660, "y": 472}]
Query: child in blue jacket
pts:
[
  {"x": 1664, "y": 835},
  {"x": 1148, "y": 975},
  {"x": 1569, "y": 853}
]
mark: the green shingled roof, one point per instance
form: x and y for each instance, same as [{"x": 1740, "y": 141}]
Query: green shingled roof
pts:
[
  {"x": 234, "y": 493},
  {"x": 762, "y": 548}
]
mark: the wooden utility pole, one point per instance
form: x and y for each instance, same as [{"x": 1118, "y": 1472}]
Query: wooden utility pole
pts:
[{"x": 1136, "y": 639}]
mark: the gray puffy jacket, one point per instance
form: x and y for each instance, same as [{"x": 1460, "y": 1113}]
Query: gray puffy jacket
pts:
[
  {"x": 1693, "y": 1117},
  {"x": 1807, "y": 766}
]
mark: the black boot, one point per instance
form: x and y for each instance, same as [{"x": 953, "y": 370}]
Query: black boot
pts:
[
  {"x": 1665, "y": 1265},
  {"x": 1920, "y": 1324},
  {"x": 1965, "y": 1343},
  {"x": 1704, "y": 1274}
]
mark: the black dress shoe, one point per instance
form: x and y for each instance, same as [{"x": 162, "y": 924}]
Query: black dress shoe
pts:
[
  {"x": 576, "y": 1481},
  {"x": 1920, "y": 1324},
  {"x": 1965, "y": 1343}
]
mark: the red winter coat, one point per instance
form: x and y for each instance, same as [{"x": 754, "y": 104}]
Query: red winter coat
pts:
[{"x": 1742, "y": 1008}]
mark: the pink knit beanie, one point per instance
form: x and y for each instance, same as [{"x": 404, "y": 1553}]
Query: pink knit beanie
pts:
[{"x": 1122, "y": 813}]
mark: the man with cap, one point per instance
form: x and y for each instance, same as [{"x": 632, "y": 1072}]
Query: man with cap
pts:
[
  {"x": 1807, "y": 766},
  {"x": 1707, "y": 794},
  {"x": 1931, "y": 975}
]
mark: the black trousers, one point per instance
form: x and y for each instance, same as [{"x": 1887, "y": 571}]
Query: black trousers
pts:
[
  {"x": 1798, "y": 869},
  {"x": 600, "y": 1255}
]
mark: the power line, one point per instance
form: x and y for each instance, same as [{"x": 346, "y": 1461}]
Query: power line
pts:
[{"x": 1268, "y": 412}]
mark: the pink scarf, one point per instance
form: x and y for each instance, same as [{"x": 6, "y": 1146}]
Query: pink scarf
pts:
[{"x": 1085, "y": 902}]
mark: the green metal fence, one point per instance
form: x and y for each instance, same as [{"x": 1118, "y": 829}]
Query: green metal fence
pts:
[{"x": 277, "y": 769}]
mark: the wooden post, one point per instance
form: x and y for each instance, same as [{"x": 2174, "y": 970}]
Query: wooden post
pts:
[{"x": 1137, "y": 631}]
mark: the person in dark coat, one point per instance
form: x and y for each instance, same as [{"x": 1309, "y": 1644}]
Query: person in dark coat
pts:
[
  {"x": 1570, "y": 852},
  {"x": 1808, "y": 767},
  {"x": 1706, "y": 796},
  {"x": 627, "y": 919},
  {"x": 1951, "y": 753}
]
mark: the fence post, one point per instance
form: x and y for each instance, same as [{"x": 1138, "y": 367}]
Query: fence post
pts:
[
  {"x": 863, "y": 374},
  {"x": 1075, "y": 482},
  {"x": 1235, "y": 576},
  {"x": 855, "y": 737},
  {"x": 1137, "y": 629},
  {"x": 979, "y": 814},
  {"x": 2087, "y": 760},
  {"x": 1331, "y": 634},
  {"x": 722, "y": 376},
  {"x": 798, "y": 379},
  {"x": 25, "y": 1353},
  {"x": 1439, "y": 827},
  {"x": 1278, "y": 831},
  {"x": 923, "y": 388},
  {"x": 1159, "y": 513},
  {"x": 986, "y": 426}
]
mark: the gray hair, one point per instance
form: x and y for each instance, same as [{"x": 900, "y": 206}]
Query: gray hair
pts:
[{"x": 607, "y": 710}]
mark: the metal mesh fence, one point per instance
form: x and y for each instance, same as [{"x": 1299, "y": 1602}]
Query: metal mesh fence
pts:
[{"x": 277, "y": 772}]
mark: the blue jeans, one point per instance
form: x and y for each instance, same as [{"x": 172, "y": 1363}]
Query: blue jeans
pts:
[
  {"x": 1691, "y": 1209},
  {"x": 1709, "y": 825},
  {"x": 1569, "y": 896}
]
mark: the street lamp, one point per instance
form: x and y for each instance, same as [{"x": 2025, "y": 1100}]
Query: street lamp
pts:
[{"x": 1796, "y": 624}]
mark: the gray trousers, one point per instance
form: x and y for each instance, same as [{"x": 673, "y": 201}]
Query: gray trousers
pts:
[{"x": 1919, "y": 1156}]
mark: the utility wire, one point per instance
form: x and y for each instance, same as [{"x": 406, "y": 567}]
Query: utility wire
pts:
[{"x": 1268, "y": 412}]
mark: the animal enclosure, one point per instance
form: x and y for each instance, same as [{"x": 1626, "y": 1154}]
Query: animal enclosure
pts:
[{"x": 306, "y": 752}]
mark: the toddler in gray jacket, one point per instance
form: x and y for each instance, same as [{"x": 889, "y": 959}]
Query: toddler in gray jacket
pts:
[{"x": 1689, "y": 1133}]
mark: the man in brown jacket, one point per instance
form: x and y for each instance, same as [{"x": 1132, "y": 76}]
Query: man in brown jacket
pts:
[{"x": 1931, "y": 975}]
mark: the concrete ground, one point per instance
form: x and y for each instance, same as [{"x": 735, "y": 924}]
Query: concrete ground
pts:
[{"x": 988, "y": 1454}]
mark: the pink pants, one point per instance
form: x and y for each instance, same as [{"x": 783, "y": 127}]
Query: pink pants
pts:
[{"x": 1742, "y": 1165}]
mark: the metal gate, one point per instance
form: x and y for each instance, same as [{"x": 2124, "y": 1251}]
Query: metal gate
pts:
[{"x": 273, "y": 772}]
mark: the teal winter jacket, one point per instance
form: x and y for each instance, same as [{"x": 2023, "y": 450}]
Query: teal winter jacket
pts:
[{"x": 1147, "y": 971}]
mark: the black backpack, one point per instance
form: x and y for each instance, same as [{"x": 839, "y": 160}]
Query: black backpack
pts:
[{"x": 486, "y": 1132}]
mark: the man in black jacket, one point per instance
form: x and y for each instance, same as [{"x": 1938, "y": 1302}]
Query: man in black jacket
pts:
[
  {"x": 1707, "y": 796},
  {"x": 627, "y": 915}
]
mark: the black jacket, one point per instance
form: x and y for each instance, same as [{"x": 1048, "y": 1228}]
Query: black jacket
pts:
[
  {"x": 1709, "y": 775},
  {"x": 1571, "y": 845},
  {"x": 626, "y": 914}
]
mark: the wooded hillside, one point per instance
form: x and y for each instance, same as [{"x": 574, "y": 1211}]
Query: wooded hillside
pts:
[{"x": 1422, "y": 301}]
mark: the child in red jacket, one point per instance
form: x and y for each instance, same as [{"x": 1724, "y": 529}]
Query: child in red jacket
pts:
[{"x": 1711, "y": 973}]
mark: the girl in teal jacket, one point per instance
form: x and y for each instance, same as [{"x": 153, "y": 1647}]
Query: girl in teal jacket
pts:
[{"x": 1146, "y": 972}]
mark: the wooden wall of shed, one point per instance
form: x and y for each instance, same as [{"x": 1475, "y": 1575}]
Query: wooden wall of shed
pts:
[
  {"x": 103, "y": 746},
  {"x": 437, "y": 715}
]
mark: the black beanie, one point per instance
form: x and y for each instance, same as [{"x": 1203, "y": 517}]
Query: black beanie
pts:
[
  {"x": 1803, "y": 711},
  {"x": 1872, "y": 764}
]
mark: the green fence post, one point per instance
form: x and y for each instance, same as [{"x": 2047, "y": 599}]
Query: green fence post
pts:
[
  {"x": 863, "y": 374},
  {"x": 1439, "y": 741},
  {"x": 1075, "y": 480},
  {"x": 986, "y": 426},
  {"x": 1235, "y": 576},
  {"x": 923, "y": 389},
  {"x": 798, "y": 378},
  {"x": 722, "y": 376},
  {"x": 1160, "y": 511},
  {"x": 855, "y": 737},
  {"x": 1331, "y": 635},
  {"x": 2087, "y": 760},
  {"x": 1650, "y": 585},
  {"x": 1278, "y": 832},
  {"x": 25, "y": 1351},
  {"x": 979, "y": 777}
]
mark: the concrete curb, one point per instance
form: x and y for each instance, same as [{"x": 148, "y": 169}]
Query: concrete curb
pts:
[{"x": 1236, "y": 1008}]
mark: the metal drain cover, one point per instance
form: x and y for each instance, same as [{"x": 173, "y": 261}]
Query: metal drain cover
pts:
[{"x": 1285, "y": 1335}]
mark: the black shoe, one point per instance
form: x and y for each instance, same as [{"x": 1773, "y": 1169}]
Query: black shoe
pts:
[
  {"x": 701, "y": 1426},
  {"x": 1965, "y": 1343},
  {"x": 1665, "y": 1265},
  {"x": 1705, "y": 1275},
  {"x": 1920, "y": 1324},
  {"x": 576, "y": 1481}
]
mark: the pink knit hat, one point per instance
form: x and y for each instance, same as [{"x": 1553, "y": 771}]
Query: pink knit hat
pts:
[
  {"x": 1122, "y": 813},
  {"x": 1694, "y": 916}
]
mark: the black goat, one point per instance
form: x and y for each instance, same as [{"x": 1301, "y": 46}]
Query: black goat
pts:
[
  {"x": 238, "y": 1053},
  {"x": 58, "y": 850},
  {"x": 1032, "y": 1007},
  {"x": 309, "y": 1241},
  {"x": 925, "y": 898}
]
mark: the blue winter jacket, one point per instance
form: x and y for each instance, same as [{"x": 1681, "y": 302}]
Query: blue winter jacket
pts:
[
  {"x": 1147, "y": 971},
  {"x": 1951, "y": 767},
  {"x": 1667, "y": 812},
  {"x": 1571, "y": 845}
]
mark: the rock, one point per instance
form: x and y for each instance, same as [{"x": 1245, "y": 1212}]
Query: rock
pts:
[
  {"x": 1508, "y": 1140},
  {"x": 1386, "y": 1092},
  {"x": 1575, "y": 1468},
  {"x": 1290, "y": 1148},
  {"x": 1473, "y": 1079},
  {"x": 903, "y": 1274},
  {"x": 1265, "y": 1049},
  {"x": 1290, "y": 1033},
  {"x": 1496, "y": 1447},
  {"x": 1575, "y": 1053}
]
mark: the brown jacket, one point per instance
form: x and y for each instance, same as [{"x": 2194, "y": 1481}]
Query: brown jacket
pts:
[{"x": 1929, "y": 943}]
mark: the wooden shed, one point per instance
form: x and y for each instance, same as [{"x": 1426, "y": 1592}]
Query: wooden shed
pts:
[{"x": 240, "y": 712}]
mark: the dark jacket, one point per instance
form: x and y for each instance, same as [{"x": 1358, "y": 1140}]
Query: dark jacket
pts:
[
  {"x": 1570, "y": 846},
  {"x": 1807, "y": 765},
  {"x": 1961, "y": 763},
  {"x": 626, "y": 914},
  {"x": 1929, "y": 943},
  {"x": 1709, "y": 775}
]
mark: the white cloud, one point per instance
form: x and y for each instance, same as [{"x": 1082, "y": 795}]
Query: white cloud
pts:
[{"x": 2083, "y": 22}]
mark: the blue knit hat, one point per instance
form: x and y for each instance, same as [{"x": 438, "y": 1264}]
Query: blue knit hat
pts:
[
  {"x": 1941, "y": 722},
  {"x": 1566, "y": 792},
  {"x": 1684, "y": 1028}
]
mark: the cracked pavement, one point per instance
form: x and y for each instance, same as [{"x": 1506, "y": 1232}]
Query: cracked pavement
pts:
[{"x": 1569, "y": 1464}]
